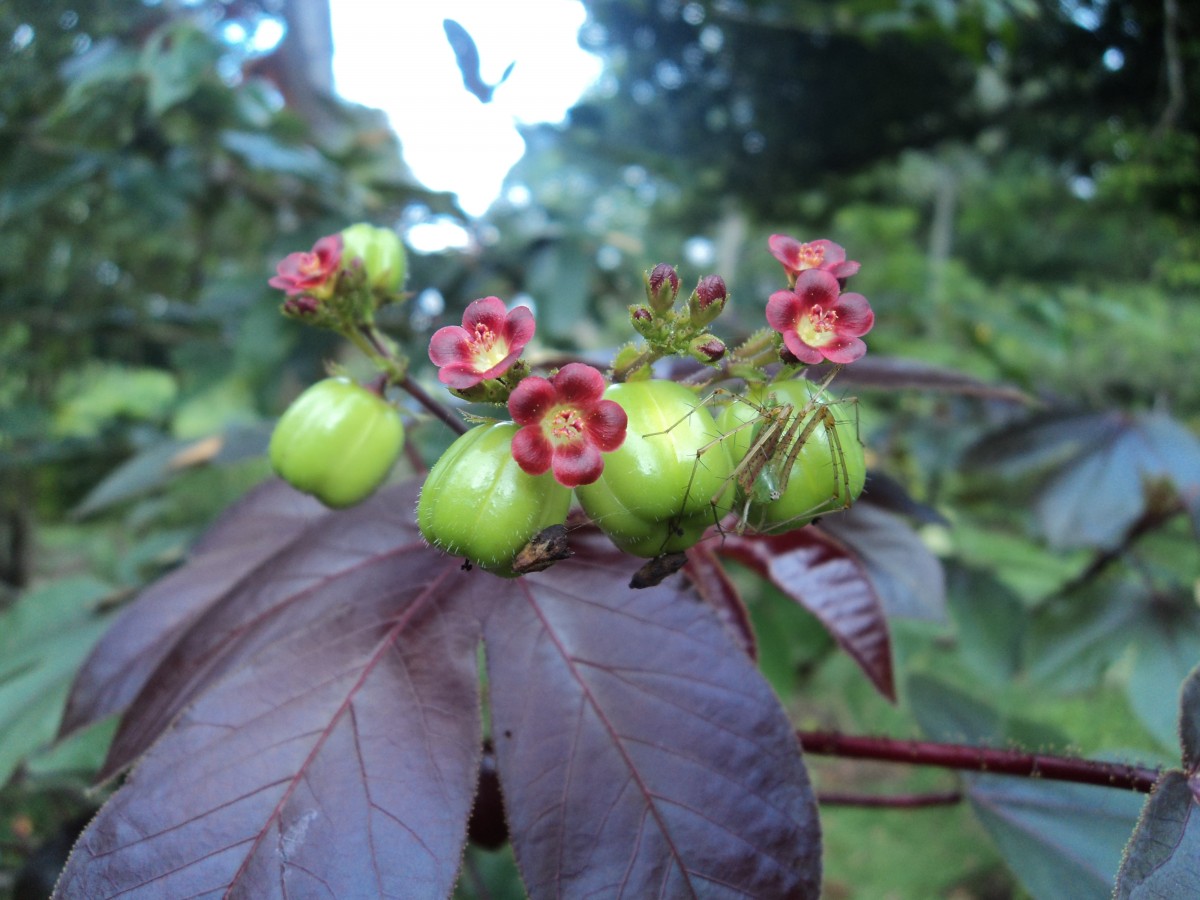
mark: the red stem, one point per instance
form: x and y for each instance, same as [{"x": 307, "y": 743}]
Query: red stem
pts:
[
  {"x": 981, "y": 759},
  {"x": 896, "y": 801},
  {"x": 418, "y": 393}
]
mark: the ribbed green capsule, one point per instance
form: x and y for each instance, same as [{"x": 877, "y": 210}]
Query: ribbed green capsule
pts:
[
  {"x": 478, "y": 503},
  {"x": 657, "y": 492},
  {"x": 337, "y": 441}
]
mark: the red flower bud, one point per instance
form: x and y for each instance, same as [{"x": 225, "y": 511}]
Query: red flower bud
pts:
[
  {"x": 707, "y": 300},
  {"x": 707, "y": 348},
  {"x": 662, "y": 287}
]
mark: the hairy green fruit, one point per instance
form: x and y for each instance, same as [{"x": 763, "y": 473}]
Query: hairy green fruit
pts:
[
  {"x": 478, "y": 503},
  {"x": 337, "y": 441},
  {"x": 657, "y": 491},
  {"x": 382, "y": 255}
]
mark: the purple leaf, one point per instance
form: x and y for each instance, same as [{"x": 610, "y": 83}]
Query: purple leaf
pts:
[
  {"x": 1162, "y": 859},
  {"x": 314, "y": 729},
  {"x": 641, "y": 753},
  {"x": 249, "y": 533},
  {"x": 712, "y": 584},
  {"x": 330, "y": 743},
  {"x": 896, "y": 373},
  {"x": 825, "y": 577},
  {"x": 908, "y": 579}
]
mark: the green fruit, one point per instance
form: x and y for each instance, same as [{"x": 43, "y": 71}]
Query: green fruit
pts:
[
  {"x": 828, "y": 471},
  {"x": 381, "y": 252},
  {"x": 478, "y": 503},
  {"x": 656, "y": 493},
  {"x": 337, "y": 441}
]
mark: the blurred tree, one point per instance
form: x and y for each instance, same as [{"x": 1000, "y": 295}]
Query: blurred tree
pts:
[{"x": 155, "y": 159}]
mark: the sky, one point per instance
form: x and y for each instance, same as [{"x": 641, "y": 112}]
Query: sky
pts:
[{"x": 395, "y": 56}]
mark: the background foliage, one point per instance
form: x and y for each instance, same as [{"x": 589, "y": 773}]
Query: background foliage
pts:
[{"x": 1021, "y": 181}]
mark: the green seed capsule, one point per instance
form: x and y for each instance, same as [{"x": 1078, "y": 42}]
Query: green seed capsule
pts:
[
  {"x": 656, "y": 494},
  {"x": 337, "y": 441},
  {"x": 478, "y": 503}
]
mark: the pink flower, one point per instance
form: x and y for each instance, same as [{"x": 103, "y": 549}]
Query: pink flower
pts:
[
  {"x": 797, "y": 257},
  {"x": 817, "y": 323},
  {"x": 567, "y": 423},
  {"x": 310, "y": 273},
  {"x": 487, "y": 344}
]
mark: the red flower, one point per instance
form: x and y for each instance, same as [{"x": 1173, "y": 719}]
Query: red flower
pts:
[
  {"x": 567, "y": 424},
  {"x": 487, "y": 344},
  {"x": 310, "y": 273},
  {"x": 797, "y": 257},
  {"x": 817, "y": 323}
]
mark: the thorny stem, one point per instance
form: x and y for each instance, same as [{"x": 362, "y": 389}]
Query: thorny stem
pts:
[{"x": 981, "y": 759}]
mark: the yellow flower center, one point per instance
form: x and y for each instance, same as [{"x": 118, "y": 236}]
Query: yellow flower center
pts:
[{"x": 818, "y": 326}]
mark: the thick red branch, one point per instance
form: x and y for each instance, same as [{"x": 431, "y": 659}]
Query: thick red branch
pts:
[
  {"x": 895, "y": 801},
  {"x": 980, "y": 759}
]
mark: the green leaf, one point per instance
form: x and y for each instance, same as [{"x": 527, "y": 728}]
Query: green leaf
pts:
[
  {"x": 44, "y": 638},
  {"x": 1163, "y": 857},
  {"x": 1061, "y": 840},
  {"x": 1074, "y": 639},
  {"x": 990, "y": 622},
  {"x": 91, "y": 397},
  {"x": 1166, "y": 649},
  {"x": 175, "y": 61},
  {"x": 947, "y": 714},
  {"x": 261, "y": 151}
]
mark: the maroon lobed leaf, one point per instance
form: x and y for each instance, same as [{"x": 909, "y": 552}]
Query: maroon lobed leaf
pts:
[
  {"x": 908, "y": 579},
  {"x": 314, "y": 729},
  {"x": 897, "y": 373},
  {"x": 711, "y": 582},
  {"x": 641, "y": 753},
  {"x": 250, "y": 532},
  {"x": 825, "y": 577},
  {"x": 331, "y": 737}
]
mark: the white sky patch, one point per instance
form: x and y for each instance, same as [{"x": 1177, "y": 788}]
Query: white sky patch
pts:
[{"x": 395, "y": 56}]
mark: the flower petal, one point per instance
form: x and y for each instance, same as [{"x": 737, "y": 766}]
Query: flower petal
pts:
[
  {"x": 831, "y": 253},
  {"x": 783, "y": 308},
  {"x": 531, "y": 450},
  {"x": 578, "y": 384},
  {"x": 531, "y": 399},
  {"x": 843, "y": 270},
  {"x": 459, "y": 376},
  {"x": 855, "y": 316},
  {"x": 604, "y": 425},
  {"x": 801, "y": 350},
  {"x": 576, "y": 463},
  {"x": 844, "y": 350},
  {"x": 450, "y": 345},
  {"x": 519, "y": 326},
  {"x": 816, "y": 286},
  {"x": 488, "y": 312},
  {"x": 785, "y": 249}
]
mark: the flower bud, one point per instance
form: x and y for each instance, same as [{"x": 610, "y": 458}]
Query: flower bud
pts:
[
  {"x": 707, "y": 300},
  {"x": 642, "y": 320},
  {"x": 662, "y": 287},
  {"x": 300, "y": 307},
  {"x": 381, "y": 255},
  {"x": 707, "y": 349}
]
